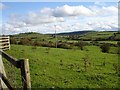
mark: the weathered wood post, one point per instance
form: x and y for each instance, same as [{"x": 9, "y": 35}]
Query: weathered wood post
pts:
[
  {"x": 2, "y": 70},
  {"x": 9, "y": 42},
  {"x": 25, "y": 73},
  {"x": 23, "y": 64}
]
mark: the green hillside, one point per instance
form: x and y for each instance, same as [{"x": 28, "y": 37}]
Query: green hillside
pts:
[
  {"x": 87, "y": 60},
  {"x": 101, "y": 37},
  {"x": 69, "y": 68}
]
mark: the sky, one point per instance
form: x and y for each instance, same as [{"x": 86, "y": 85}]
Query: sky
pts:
[{"x": 46, "y": 17}]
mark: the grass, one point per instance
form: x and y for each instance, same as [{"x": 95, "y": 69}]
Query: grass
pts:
[
  {"x": 111, "y": 42},
  {"x": 94, "y": 35},
  {"x": 65, "y": 68},
  {"x": 88, "y": 35}
]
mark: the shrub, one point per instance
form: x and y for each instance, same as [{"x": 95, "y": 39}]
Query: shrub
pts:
[
  {"x": 81, "y": 45},
  {"x": 13, "y": 41},
  {"x": 36, "y": 43},
  {"x": 118, "y": 43},
  {"x": 105, "y": 47},
  {"x": 64, "y": 45},
  {"x": 95, "y": 43},
  {"x": 25, "y": 41}
]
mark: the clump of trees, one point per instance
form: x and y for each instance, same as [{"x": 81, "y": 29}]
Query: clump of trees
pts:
[
  {"x": 34, "y": 41},
  {"x": 105, "y": 48},
  {"x": 96, "y": 43},
  {"x": 25, "y": 41},
  {"x": 81, "y": 44},
  {"x": 64, "y": 45}
]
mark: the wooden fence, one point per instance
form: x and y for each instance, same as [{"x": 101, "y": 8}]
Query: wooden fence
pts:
[
  {"x": 23, "y": 65},
  {"x": 4, "y": 42}
]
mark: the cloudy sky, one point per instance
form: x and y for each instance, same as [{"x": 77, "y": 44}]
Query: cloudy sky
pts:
[{"x": 45, "y": 17}]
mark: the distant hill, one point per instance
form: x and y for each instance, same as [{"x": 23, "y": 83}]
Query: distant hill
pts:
[
  {"x": 27, "y": 34},
  {"x": 74, "y": 33},
  {"x": 65, "y": 33}
]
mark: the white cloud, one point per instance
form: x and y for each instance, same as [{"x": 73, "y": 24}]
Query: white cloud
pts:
[
  {"x": 103, "y": 23},
  {"x": 67, "y": 10},
  {"x": 67, "y": 18},
  {"x": 2, "y": 6},
  {"x": 104, "y": 11},
  {"x": 40, "y": 19}
]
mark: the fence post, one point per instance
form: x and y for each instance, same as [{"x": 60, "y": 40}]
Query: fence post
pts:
[
  {"x": 2, "y": 70},
  {"x": 25, "y": 74},
  {"x": 9, "y": 41}
]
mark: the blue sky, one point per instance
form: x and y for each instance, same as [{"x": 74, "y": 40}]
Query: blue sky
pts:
[
  {"x": 25, "y": 7},
  {"x": 19, "y": 17}
]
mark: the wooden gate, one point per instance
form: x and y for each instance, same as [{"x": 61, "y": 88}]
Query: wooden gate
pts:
[
  {"x": 4, "y": 42},
  {"x": 22, "y": 64}
]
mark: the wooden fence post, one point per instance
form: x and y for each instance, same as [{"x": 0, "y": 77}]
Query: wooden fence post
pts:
[
  {"x": 9, "y": 41},
  {"x": 2, "y": 70},
  {"x": 25, "y": 74}
]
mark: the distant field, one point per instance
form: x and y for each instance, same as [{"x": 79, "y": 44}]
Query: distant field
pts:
[
  {"x": 67, "y": 68},
  {"x": 112, "y": 42},
  {"x": 70, "y": 38},
  {"x": 94, "y": 35}
]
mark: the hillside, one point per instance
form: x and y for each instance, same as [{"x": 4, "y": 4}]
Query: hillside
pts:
[
  {"x": 75, "y": 33},
  {"x": 65, "y": 39},
  {"x": 66, "y": 68},
  {"x": 84, "y": 60}
]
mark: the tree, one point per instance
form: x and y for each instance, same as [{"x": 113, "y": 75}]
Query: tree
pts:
[
  {"x": 25, "y": 41},
  {"x": 105, "y": 47},
  {"x": 81, "y": 44}
]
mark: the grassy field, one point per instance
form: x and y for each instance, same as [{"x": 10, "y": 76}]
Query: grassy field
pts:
[
  {"x": 64, "y": 38},
  {"x": 69, "y": 68}
]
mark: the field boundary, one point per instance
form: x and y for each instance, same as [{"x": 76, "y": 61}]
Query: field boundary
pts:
[
  {"x": 23, "y": 65},
  {"x": 5, "y": 42}
]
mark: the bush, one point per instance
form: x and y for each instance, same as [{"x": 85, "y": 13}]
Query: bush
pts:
[
  {"x": 81, "y": 44},
  {"x": 64, "y": 45},
  {"x": 118, "y": 43},
  {"x": 13, "y": 41},
  {"x": 95, "y": 43},
  {"x": 25, "y": 41},
  {"x": 105, "y": 47},
  {"x": 36, "y": 43}
]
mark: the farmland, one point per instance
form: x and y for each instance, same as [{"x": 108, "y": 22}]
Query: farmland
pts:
[
  {"x": 65, "y": 68},
  {"x": 52, "y": 67}
]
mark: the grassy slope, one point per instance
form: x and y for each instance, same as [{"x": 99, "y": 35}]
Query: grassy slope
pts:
[
  {"x": 94, "y": 35},
  {"x": 46, "y": 70}
]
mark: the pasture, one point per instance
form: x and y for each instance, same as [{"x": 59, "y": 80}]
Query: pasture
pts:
[{"x": 69, "y": 68}]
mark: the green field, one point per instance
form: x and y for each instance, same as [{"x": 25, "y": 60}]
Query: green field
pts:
[
  {"x": 48, "y": 40},
  {"x": 69, "y": 68}
]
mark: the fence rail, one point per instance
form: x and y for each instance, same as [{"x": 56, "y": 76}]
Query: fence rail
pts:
[
  {"x": 4, "y": 42},
  {"x": 23, "y": 65}
]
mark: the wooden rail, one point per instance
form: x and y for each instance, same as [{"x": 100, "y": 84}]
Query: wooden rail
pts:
[
  {"x": 4, "y": 42},
  {"x": 23, "y": 65},
  {"x": 5, "y": 80}
]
